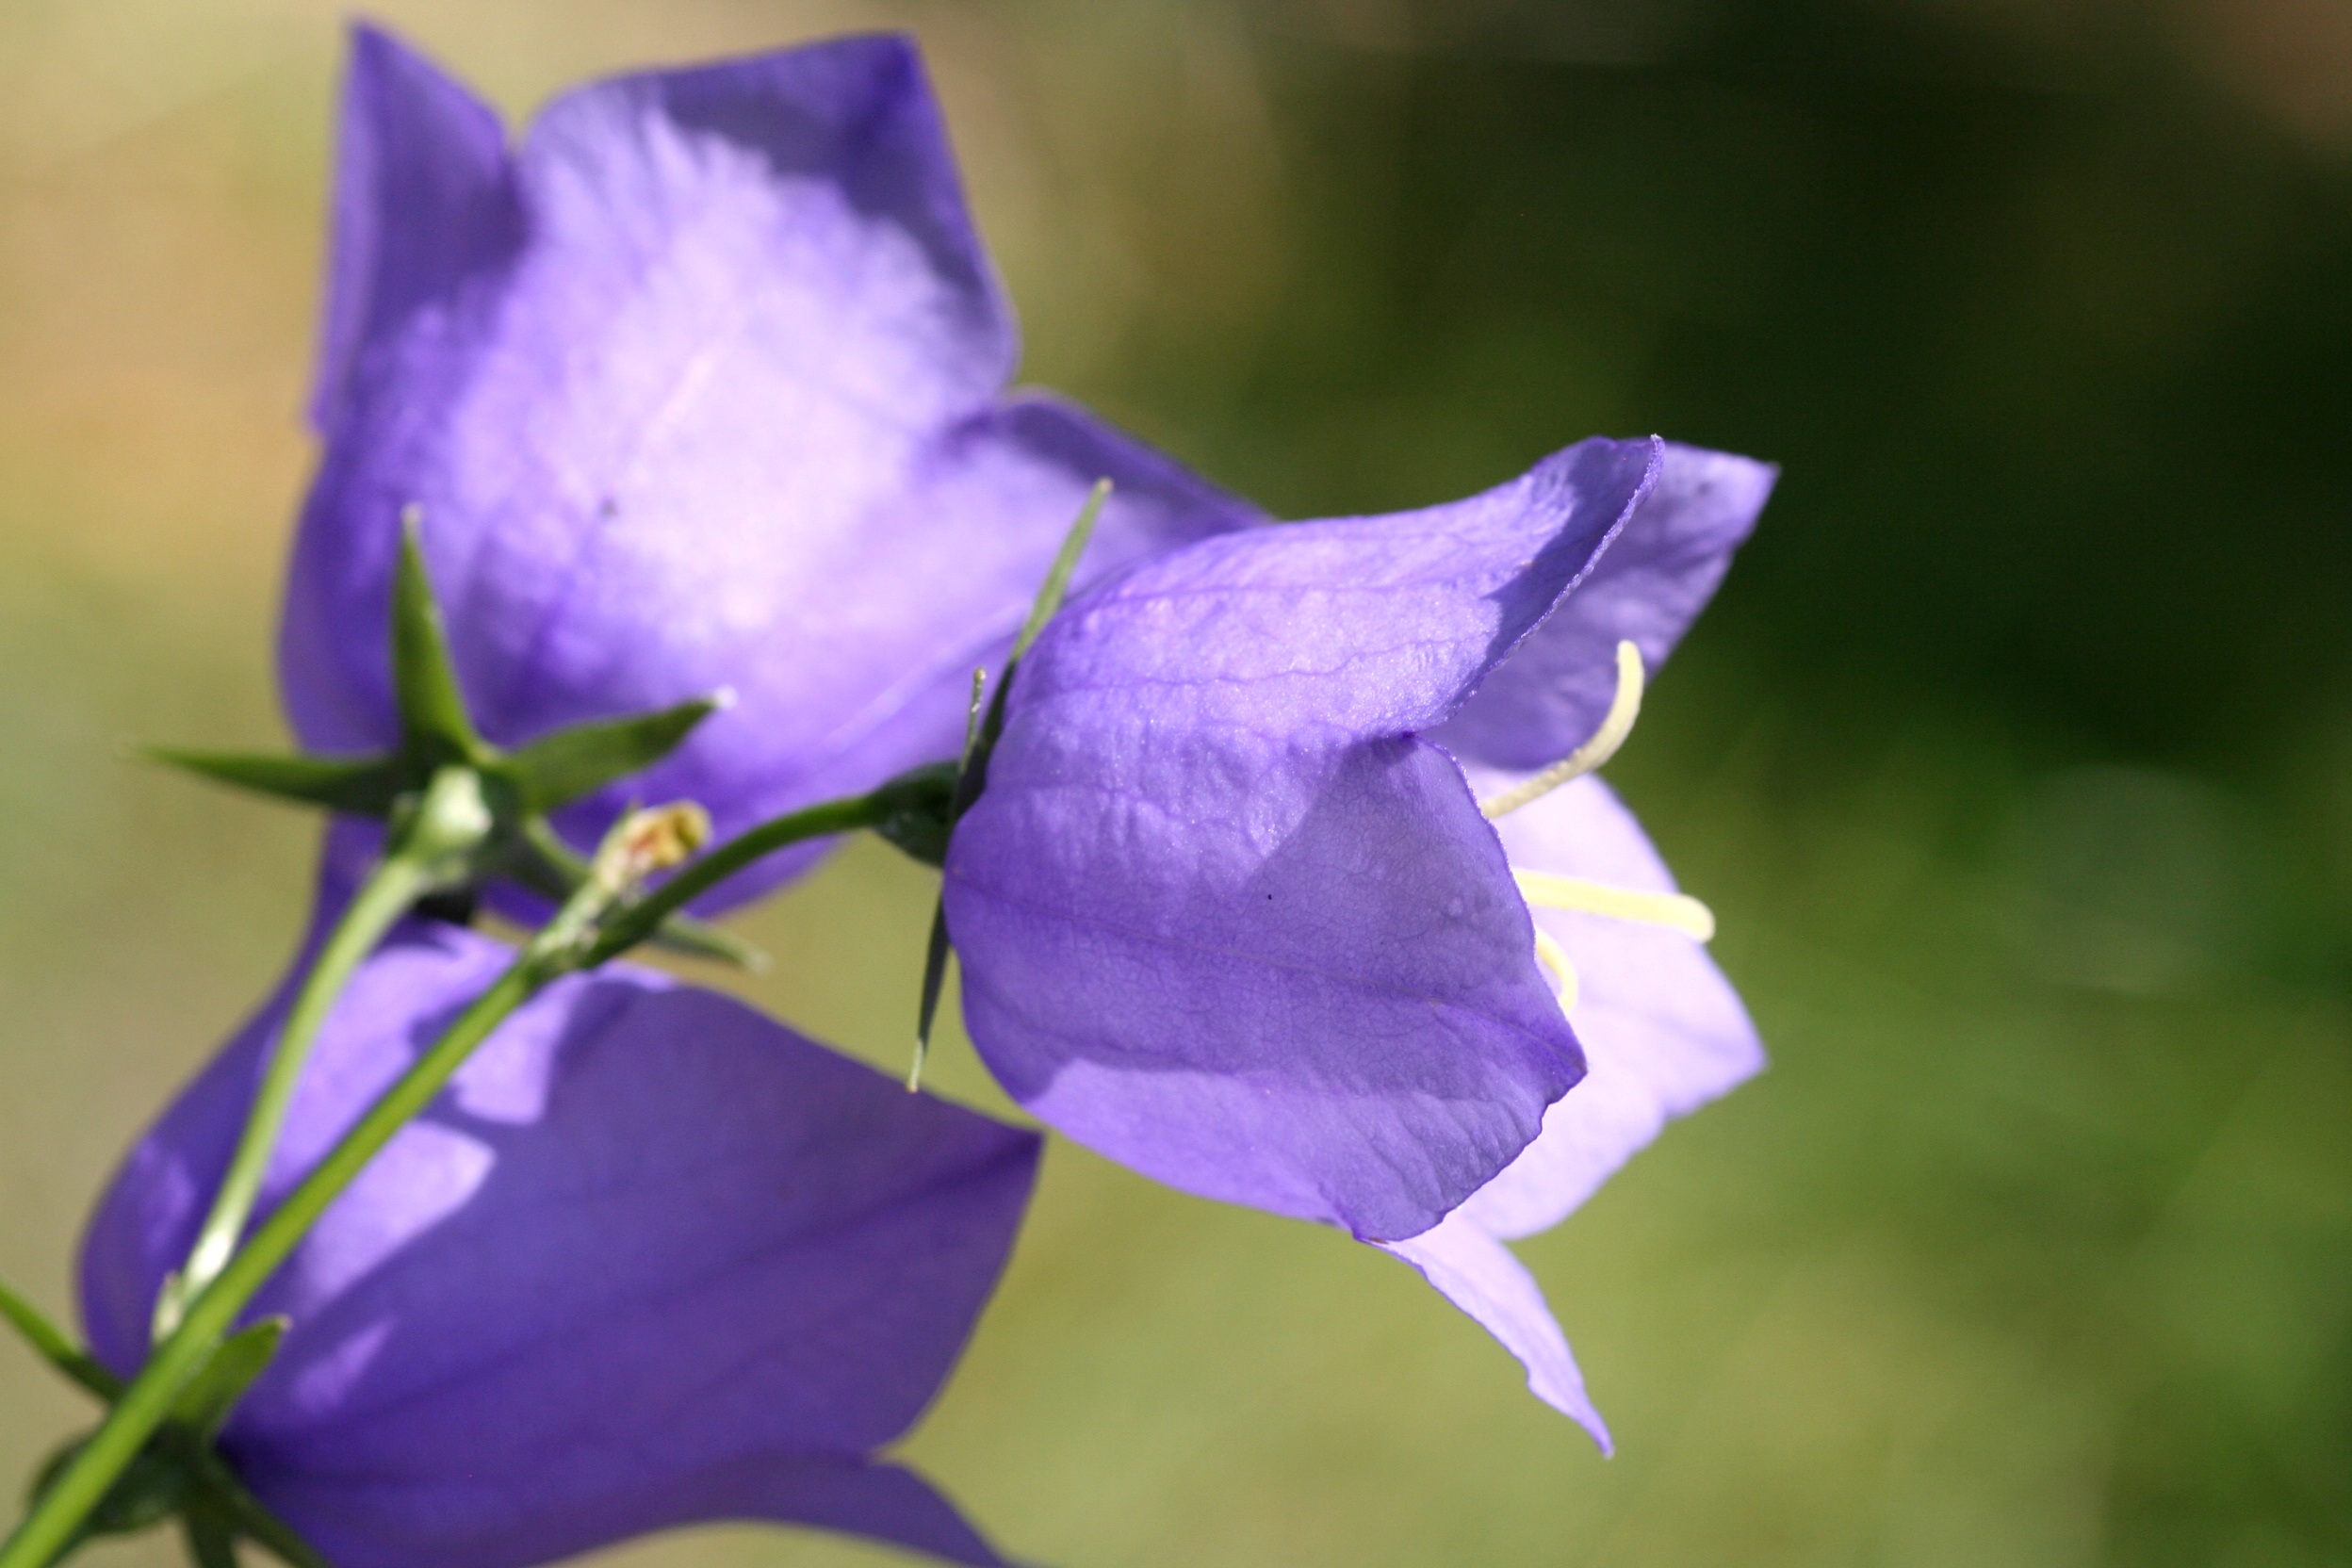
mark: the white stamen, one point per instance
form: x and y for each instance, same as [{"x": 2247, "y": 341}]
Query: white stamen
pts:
[
  {"x": 1555, "y": 957},
  {"x": 1678, "y": 911},
  {"x": 1616, "y": 725}
]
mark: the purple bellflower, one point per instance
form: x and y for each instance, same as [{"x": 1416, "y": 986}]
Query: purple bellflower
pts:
[
  {"x": 1229, "y": 909},
  {"x": 650, "y": 1259},
  {"x": 699, "y": 388}
]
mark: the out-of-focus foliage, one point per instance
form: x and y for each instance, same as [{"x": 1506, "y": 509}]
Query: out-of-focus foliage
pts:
[{"x": 2015, "y": 756}]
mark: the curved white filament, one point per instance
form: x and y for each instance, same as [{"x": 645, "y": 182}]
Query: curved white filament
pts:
[
  {"x": 1677, "y": 911},
  {"x": 1616, "y": 725}
]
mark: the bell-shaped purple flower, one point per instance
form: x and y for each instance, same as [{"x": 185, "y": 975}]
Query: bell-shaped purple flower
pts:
[
  {"x": 650, "y": 1259},
  {"x": 699, "y": 388},
  {"x": 1229, "y": 910}
]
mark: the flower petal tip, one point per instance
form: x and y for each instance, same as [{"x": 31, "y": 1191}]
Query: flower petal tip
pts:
[{"x": 1479, "y": 1274}]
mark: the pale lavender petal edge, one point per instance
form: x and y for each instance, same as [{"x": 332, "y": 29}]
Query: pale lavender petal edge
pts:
[
  {"x": 1663, "y": 1031},
  {"x": 1478, "y": 1274}
]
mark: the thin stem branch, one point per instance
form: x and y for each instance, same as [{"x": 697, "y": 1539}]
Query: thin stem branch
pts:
[
  {"x": 569, "y": 942},
  {"x": 440, "y": 833},
  {"x": 213, "y": 1311},
  {"x": 387, "y": 895},
  {"x": 636, "y": 922}
]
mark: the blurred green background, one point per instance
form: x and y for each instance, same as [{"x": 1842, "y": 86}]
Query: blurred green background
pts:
[{"x": 2017, "y": 756}]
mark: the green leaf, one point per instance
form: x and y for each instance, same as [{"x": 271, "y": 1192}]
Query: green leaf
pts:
[
  {"x": 434, "y": 720},
  {"x": 205, "y": 1404},
  {"x": 553, "y": 869},
  {"x": 362, "y": 786},
  {"x": 558, "y": 769},
  {"x": 52, "y": 1346}
]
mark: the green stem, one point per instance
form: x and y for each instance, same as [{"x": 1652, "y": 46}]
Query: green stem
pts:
[
  {"x": 636, "y": 922},
  {"x": 573, "y": 941},
  {"x": 214, "y": 1311},
  {"x": 448, "y": 822},
  {"x": 383, "y": 899}
]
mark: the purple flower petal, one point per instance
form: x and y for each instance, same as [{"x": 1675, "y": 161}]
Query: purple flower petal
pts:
[
  {"x": 1663, "y": 1033},
  {"x": 650, "y": 1258},
  {"x": 699, "y": 390},
  {"x": 1662, "y": 1030},
  {"x": 869, "y": 670},
  {"x": 1476, "y": 1273},
  {"x": 1649, "y": 584},
  {"x": 1224, "y": 917},
  {"x": 422, "y": 201},
  {"x": 884, "y": 1502}
]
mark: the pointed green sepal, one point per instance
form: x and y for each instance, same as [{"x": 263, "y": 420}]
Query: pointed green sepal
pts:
[
  {"x": 177, "y": 1472},
  {"x": 205, "y": 1404},
  {"x": 211, "y": 1543},
  {"x": 435, "y": 725},
  {"x": 227, "y": 1498},
  {"x": 362, "y": 786},
  {"x": 972, "y": 711},
  {"x": 982, "y": 727},
  {"x": 150, "y": 1488},
  {"x": 559, "y": 768},
  {"x": 50, "y": 1343},
  {"x": 1055, "y": 587},
  {"x": 934, "y": 985},
  {"x": 698, "y": 938},
  {"x": 544, "y": 864},
  {"x": 553, "y": 869},
  {"x": 980, "y": 740},
  {"x": 443, "y": 757}
]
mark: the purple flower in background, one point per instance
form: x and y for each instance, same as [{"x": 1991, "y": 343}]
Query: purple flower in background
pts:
[
  {"x": 701, "y": 387},
  {"x": 1229, "y": 910},
  {"x": 651, "y": 1259}
]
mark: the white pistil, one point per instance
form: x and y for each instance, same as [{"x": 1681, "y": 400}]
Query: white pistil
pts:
[
  {"x": 1616, "y": 725},
  {"x": 1544, "y": 889},
  {"x": 1555, "y": 957}
]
